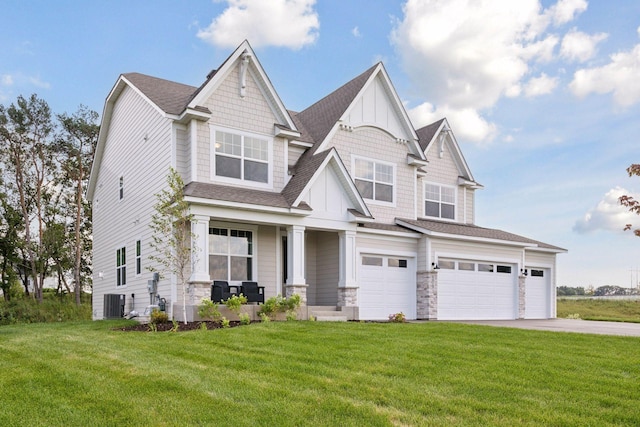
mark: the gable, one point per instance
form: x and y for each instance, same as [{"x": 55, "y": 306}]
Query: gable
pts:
[
  {"x": 327, "y": 198},
  {"x": 374, "y": 107}
]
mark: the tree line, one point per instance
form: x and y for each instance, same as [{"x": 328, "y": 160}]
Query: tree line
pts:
[{"x": 45, "y": 218}]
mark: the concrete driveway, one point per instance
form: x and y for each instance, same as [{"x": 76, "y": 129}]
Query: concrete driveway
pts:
[{"x": 566, "y": 325}]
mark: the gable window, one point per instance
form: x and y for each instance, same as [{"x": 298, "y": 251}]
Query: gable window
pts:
[
  {"x": 121, "y": 188},
  {"x": 138, "y": 257},
  {"x": 231, "y": 254},
  {"x": 121, "y": 266},
  {"x": 241, "y": 157},
  {"x": 374, "y": 179},
  {"x": 439, "y": 201}
]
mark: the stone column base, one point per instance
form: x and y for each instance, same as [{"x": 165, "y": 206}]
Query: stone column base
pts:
[
  {"x": 347, "y": 296},
  {"x": 196, "y": 291},
  {"x": 522, "y": 294},
  {"x": 297, "y": 289},
  {"x": 427, "y": 295}
]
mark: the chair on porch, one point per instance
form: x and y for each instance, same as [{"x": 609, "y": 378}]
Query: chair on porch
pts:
[
  {"x": 221, "y": 291},
  {"x": 253, "y": 292}
]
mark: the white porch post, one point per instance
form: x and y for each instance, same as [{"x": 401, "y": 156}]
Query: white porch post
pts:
[
  {"x": 347, "y": 284},
  {"x": 296, "y": 282},
  {"x": 200, "y": 251}
]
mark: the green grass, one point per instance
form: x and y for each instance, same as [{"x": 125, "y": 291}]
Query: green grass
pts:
[
  {"x": 599, "y": 309},
  {"x": 314, "y": 373}
]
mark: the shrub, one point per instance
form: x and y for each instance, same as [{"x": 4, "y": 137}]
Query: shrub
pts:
[
  {"x": 208, "y": 310},
  {"x": 235, "y": 302},
  {"x": 245, "y": 319},
  {"x": 397, "y": 318},
  {"x": 278, "y": 304},
  {"x": 225, "y": 323},
  {"x": 158, "y": 316}
]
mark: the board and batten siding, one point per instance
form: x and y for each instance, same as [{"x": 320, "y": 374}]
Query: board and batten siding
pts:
[
  {"x": 250, "y": 113},
  {"x": 138, "y": 148},
  {"x": 376, "y": 144}
]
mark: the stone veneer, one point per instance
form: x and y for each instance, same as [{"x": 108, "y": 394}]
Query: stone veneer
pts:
[
  {"x": 522, "y": 293},
  {"x": 297, "y": 289},
  {"x": 427, "y": 295},
  {"x": 196, "y": 291},
  {"x": 347, "y": 296}
]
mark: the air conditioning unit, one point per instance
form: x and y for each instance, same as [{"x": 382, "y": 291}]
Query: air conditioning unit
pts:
[{"x": 114, "y": 306}]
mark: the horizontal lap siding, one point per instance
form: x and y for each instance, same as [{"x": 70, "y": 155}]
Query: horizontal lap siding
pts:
[
  {"x": 267, "y": 259},
  {"x": 144, "y": 164},
  {"x": 482, "y": 251},
  {"x": 327, "y": 269}
]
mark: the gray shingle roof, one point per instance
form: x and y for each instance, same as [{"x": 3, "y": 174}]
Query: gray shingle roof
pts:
[
  {"x": 320, "y": 118},
  {"x": 426, "y": 133},
  {"x": 303, "y": 173},
  {"x": 237, "y": 195},
  {"x": 474, "y": 231},
  {"x": 170, "y": 96}
]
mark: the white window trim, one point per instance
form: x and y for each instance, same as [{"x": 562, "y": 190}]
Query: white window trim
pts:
[
  {"x": 456, "y": 206},
  {"x": 138, "y": 257},
  {"x": 393, "y": 185},
  {"x": 118, "y": 267},
  {"x": 243, "y": 134},
  {"x": 239, "y": 227}
]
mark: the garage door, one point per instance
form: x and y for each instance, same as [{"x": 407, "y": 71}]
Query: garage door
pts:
[
  {"x": 537, "y": 294},
  {"x": 387, "y": 286},
  {"x": 476, "y": 290}
]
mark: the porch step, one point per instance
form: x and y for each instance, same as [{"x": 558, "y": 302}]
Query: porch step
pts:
[{"x": 328, "y": 316}]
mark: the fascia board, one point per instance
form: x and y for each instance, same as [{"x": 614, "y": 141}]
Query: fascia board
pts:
[
  {"x": 431, "y": 233},
  {"x": 247, "y": 207}
]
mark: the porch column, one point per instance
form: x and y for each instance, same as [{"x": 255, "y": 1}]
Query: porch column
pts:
[
  {"x": 296, "y": 282},
  {"x": 200, "y": 281},
  {"x": 522, "y": 293},
  {"x": 347, "y": 283}
]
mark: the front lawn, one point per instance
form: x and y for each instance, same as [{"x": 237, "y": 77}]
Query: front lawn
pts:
[{"x": 312, "y": 373}]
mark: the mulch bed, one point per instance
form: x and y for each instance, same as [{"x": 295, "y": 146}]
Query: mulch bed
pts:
[{"x": 182, "y": 327}]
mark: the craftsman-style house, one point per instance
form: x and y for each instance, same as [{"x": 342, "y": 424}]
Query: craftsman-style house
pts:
[{"x": 344, "y": 203}]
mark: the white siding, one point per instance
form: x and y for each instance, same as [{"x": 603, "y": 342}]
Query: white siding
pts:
[
  {"x": 143, "y": 163},
  {"x": 267, "y": 259},
  {"x": 183, "y": 153},
  {"x": 327, "y": 198}
]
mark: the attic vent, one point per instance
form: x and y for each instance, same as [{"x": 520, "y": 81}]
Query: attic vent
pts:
[{"x": 113, "y": 306}]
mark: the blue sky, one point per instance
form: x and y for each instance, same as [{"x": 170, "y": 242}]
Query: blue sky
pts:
[{"x": 543, "y": 97}]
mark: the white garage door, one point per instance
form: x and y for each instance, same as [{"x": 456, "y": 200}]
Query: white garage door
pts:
[
  {"x": 537, "y": 294},
  {"x": 387, "y": 285},
  {"x": 476, "y": 290}
]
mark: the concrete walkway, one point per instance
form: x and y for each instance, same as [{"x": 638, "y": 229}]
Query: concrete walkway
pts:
[{"x": 566, "y": 325}]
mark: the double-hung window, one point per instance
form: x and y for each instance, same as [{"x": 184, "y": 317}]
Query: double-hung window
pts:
[
  {"x": 374, "y": 179},
  {"x": 439, "y": 201},
  {"x": 121, "y": 266},
  {"x": 231, "y": 254},
  {"x": 138, "y": 257},
  {"x": 241, "y": 157}
]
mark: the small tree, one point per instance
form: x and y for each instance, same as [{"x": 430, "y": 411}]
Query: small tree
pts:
[
  {"x": 172, "y": 238},
  {"x": 629, "y": 202}
]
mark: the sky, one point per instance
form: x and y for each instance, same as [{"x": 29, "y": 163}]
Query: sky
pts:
[{"x": 542, "y": 96}]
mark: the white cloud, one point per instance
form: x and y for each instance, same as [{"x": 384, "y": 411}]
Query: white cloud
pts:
[
  {"x": 356, "y": 32},
  {"x": 608, "y": 214},
  {"x": 579, "y": 46},
  {"x": 542, "y": 85},
  {"x": 6, "y": 79},
  {"x": 467, "y": 124},
  {"x": 619, "y": 77},
  {"x": 467, "y": 54},
  {"x": 285, "y": 23},
  {"x": 36, "y": 81}
]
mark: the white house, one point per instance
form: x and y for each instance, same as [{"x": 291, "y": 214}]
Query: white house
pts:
[{"x": 344, "y": 203}]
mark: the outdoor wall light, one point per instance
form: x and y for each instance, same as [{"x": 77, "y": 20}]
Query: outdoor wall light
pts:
[{"x": 435, "y": 266}]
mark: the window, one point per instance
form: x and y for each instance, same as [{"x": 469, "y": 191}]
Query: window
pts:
[
  {"x": 138, "y": 257},
  {"x": 446, "y": 265},
  {"x": 487, "y": 268},
  {"x": 121, "y": 188},
  {"x": 537, "y": 273},
  {"x": 440, "y": 201},
  {"x": 372, "y": 260},
  {"x": 395, "y": 262},
  {"x": 503, "y": 269},
  {"x": 230, "y": 254},
  {"x": 466, "y": 266},
  {"x": 241, "y": 157},
  {"x": 374, "y": 180},
  {"x": 121, "y": 266}
]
